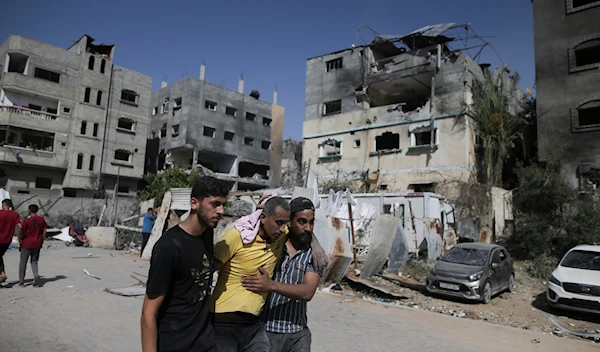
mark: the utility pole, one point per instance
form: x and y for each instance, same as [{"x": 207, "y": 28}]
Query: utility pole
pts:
[{"x": 116, "y": 197}]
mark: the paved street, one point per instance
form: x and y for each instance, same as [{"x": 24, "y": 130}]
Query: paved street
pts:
[{"x": 72, "y": 313}]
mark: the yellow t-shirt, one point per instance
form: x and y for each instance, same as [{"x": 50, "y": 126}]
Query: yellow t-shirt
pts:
[{"x": 240, "y": 260}]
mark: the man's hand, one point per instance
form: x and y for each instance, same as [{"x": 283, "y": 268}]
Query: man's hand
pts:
[{"x": 258, "y": 283}]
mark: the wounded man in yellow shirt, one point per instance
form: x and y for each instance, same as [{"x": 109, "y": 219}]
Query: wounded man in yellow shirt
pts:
[{"x": 239, "y": 253}]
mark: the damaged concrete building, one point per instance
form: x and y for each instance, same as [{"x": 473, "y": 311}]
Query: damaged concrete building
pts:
[
  {"x": 567, "y": 62},
  {"x": 292, "y": 170},
  {"x": 71, "y": 122},
  {"x": 392, "y": 114},
  {"x": 237, "y": 136}
]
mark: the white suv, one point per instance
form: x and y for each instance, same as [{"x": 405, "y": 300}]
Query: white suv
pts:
[{"x": 575, "y": 283}]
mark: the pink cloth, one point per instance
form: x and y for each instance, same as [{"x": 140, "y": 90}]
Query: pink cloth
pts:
[{"x": 249, "y": 225}]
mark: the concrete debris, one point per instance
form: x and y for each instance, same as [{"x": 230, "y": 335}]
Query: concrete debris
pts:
[
  {"x": 127, "y": 291},
  {"x": 535, "y": 341}
]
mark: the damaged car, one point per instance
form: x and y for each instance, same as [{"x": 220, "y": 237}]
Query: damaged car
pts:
[
  {"x": 474, "y": 271},
  {"x": 575, "y": 283}
]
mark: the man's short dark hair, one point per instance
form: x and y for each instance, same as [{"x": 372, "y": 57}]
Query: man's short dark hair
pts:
[
  {"x": 33, "y": 208},
  {"x": 150, "y": 209},
  {"x": 274, "y": 203},
  {"x": 207, "y": 186},
  {"x": 7, "y": 202}
]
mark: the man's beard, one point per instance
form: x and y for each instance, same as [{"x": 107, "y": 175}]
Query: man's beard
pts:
[
  {"x": 305, "y": 238},
  {"x": 209, "y": 223}
]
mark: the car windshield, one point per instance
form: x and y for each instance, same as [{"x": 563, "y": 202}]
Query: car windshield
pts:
[
  {"x": 466, "y": 256},
  {"x": 582, "y": 260}
]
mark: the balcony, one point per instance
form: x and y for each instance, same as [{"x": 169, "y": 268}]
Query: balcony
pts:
[
  {"x": 34, "y": 157},
  {"x": 28, "y": 112}
]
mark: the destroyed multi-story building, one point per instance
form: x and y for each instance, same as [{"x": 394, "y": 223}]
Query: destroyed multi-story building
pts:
[
  {"x": 567, "y": 61},
  {"x": 237, "y": 136},
  {"x": 71, "y": 122},
  {"x": 292, "y": 169},
  {"x": 392, "y": 114}
]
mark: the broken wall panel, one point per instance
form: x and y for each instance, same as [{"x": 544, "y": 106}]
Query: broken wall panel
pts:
[
  {"x": 333, "y": 236},
  {"x": 382, "y": 238},
  {"x": 398, "y": 252}
]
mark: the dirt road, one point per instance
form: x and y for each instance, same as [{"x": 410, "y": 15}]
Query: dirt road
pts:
[{"x": 71, "y": 312}]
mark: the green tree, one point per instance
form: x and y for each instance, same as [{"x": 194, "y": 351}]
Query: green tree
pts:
[{"x": 158, "y": 184}]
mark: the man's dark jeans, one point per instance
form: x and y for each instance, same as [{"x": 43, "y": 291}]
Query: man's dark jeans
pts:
[
  {"x": 3, "y": 249},
  {"x": 241, "y": 337},
  {"x": 296, "y": 342},
  {"x": 145, "y": 237},
  {"x": 34, "y": 254}
]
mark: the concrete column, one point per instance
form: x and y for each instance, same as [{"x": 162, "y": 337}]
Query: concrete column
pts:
[
  {"x": 163, "y": 84},
  {"x": 202, "y": 72},
  {"x": 195, "y": 158},
  {"x": 241, "y": 85},
  {"x": 275, "y": 96},
  {"x": 235, "y": 167}
]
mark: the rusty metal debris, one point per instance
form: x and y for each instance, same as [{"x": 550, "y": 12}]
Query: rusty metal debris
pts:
[
  {"x": 381, "y": 244},
  {"x": 374, "y": 287}
]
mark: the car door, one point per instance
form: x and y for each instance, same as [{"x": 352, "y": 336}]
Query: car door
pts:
[
  {"x": 496, "y": 277},
  {"x": 504, "y": 268}
]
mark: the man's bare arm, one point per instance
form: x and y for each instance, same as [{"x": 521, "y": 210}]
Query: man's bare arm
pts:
[
  {"x": 263, "y": 283},
  {"x": 150, "y": 309}
]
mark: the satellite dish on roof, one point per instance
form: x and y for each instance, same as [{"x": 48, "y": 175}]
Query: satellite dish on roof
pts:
[{"x": 255, "y": 94}]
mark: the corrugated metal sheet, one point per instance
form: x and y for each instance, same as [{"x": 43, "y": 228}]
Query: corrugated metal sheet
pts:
[
  {"x": 382, "y": 237},
  {"x": 398, "y": 252},
  {"x": 333, "y": 237},
  {"x": 303, "y": 192},
  {"x": 180, "y": 198}
]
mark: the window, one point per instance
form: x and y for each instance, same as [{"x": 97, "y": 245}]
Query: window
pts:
[
  {"x": 248, "y": 141},
  {"x": 587, "y": 53},
  {"x": 250, "y": 116},
  {"x": 102, "y": 66},
  {"x": 164, "y": 107},
  {"x": 91, "y": 63},
  {"x": 209, "y": 132},
  {"x": 86, "y": 97},
  {"x": 335, "y": 64},
  {"x": 163, "y": 130},
  {"x": 175, "y": 130},
  {"x": 123, "y": 189},
  {"x": 154, "y": 110},
  {"x": 267, "y": 121},
  {"x": 423, "y": 138},
  {"x": 17, "y": 63},
  {"x": 229, "y": 136},
  {"x": 26, "y": 138},
  {"x": 129, "y": 96},
  {"x": 580, "y": 3},
  {"x": 330, "y": 148},
  {"x": 126, "y": 124},
  {"x": 265, "y": 145},
  {"x": 122, "y": 155},
  {"x": 83, "y": 127},
  {"x": 230, "y": 111},
  {"x": 586, "y": 117},
  {"x": 95, "y": 131},
  {"x": 210, "y": 105},
  {"x": 79, "y": 161},
  {"x": 52, "y": 110},
  {"x": 387, "y": 141},
  {"x": 43, "y": 182},
  {"x": 67, "y": 110},
  {"x": 384, "y": 187},
  {"x": 332, "y": 107},
  {"x": 92, "y": 159},
  {"x": 357, "y": 143},
  {"x": 47, "y": 75},
  {"x": 99, "y": 98},
  {"x": 177, "y": 104},
  {"x": 34, "y": 107},
  {"x": 589, "y": 116}
]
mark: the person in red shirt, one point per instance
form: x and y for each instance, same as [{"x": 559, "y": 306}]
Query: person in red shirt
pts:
[
  {"x": 8, "y": 220},
  {"x": 32, "y": 237}
]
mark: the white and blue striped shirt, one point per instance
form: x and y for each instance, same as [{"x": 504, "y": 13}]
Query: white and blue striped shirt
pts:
[{"x": 282, "y": 314}]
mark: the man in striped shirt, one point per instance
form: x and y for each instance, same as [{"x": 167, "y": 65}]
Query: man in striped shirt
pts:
[{"x": 295, "y": 282}]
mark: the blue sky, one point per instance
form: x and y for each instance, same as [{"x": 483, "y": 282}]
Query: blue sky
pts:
[{"x": 269, "y": 41}]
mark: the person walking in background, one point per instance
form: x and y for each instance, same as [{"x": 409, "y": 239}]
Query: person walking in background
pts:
[
  {"x": 8, "y": 220},
  {"x": 147, "y": 226},
  {"x": 31, "y": 237}
]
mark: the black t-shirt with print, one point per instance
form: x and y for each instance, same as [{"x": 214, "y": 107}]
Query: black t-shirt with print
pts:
[{"x": 180, "y": 269}]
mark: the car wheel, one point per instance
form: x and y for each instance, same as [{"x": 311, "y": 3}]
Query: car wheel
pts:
[
  {"x": 487, "y": 293},
  {"x": 511, "y": 283}
]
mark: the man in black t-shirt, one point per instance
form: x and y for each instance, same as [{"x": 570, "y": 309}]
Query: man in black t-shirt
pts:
[{"x": 175, "y": 314}]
